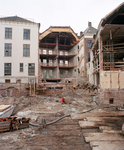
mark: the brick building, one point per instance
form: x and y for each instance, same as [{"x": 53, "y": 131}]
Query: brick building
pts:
[
  {"x": 57, "y": 54},
  {"x": 107, "y": 58}
]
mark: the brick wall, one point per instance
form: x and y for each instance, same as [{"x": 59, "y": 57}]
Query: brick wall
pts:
[
  {"x": 13, "y": 90},
  {"x": 105, "y": 96},
  {"x": 86, "y": 51}
]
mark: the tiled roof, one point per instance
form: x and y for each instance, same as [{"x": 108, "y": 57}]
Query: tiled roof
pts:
[{"x": 15, "y": 19}]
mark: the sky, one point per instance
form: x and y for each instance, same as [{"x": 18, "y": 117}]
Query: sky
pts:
[{"x": 73, "y": 13}]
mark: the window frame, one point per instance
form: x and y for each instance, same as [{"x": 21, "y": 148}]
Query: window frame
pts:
[
  {"x": 32, "y": 74},
  {"x": 26, "y": 36},
  {"x": 25, "y": 50},
  {"x": 10, "y": 50},
  {"x": 7, "y": 36},
  {"x": 21, "y": 67},
  {"x": 6, "y": 69},
  {"x": 89, "y": 43}
]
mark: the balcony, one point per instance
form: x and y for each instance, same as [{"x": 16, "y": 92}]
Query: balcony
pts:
[
  {"x": 48, "y": 65},
  {"x": 47, "y": 53},
  {"x": 68, "y": 66},
  {"x": 66, "y": 55}
]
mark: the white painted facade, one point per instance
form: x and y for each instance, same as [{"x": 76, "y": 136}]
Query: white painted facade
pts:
[
  {"x": 80, "y": 62},
  {"x": 17, "y": 57}
]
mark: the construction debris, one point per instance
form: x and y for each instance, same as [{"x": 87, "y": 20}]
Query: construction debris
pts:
[{"x": 12, "y": 123}]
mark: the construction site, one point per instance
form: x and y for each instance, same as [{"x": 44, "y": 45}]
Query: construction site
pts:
[{"x": 72, "y": 95}]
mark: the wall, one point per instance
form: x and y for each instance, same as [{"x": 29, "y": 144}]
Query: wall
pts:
[
  {"x": 116, "y": 95},
  {"x": 91, "y": 69},
  {"x": 81, "y": 56},
  {"x": 112, "y": 80},
  {"x": 13, "y": 90},
  {"x": 17, "y": 50}
]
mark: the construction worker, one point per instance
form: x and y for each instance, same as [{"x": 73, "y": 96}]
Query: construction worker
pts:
[{"x": 63, "y": 100}]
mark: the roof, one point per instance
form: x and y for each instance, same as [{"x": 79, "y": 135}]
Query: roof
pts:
[
  {"x": 15, "y": 19},
  {"x": 91, "y": 30},
  {"x": 58, "y": 29},
  {"x": 116, "y": 10}
]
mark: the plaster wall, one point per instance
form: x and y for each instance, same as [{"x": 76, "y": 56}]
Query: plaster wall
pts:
[{"x": 17, "y": 50}]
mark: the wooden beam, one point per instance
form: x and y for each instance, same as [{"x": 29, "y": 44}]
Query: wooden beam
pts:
[
  {"x": 89, "y": 137},
  {"x": 96, "y": 114},
  {"x": 108, "y": 145}
]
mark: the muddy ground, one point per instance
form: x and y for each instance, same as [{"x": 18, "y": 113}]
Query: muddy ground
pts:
[{"x": 63, "y": 135}]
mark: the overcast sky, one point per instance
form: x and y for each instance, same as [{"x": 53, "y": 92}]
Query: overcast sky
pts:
[{"x": 73, "y": 13}]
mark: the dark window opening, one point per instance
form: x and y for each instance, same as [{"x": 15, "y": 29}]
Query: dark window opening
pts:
[
  {"x": 78, "y": 70},
  {"x": 7, "y": 80},
  {"x": 7, "y": 69},
  {"x": 49, "y": 88},
  {"x": 78, "y": 58},
  {"x": 111, "y": 100},
  {"x": 88, "y": 57},
  {"x": 89, "y": 44},
  {"x": 58, "y": 87}
]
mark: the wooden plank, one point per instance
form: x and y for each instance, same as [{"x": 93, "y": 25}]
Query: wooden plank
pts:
[
  {"x": 107, "y": 129},
  {"x": 103, "y": 118},
  {"x": 111, "y": 145},
  {"x": 96, "y": 124},
  {"x": 4, "y": 107},
  {"x": 89, "y": 137},
  {"x": 98, "y": 114},
  {"x": 112, "y": 131},
  {"x": 90, "y": 124}
]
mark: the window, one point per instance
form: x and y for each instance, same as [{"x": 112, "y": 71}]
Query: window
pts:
[
  {"x": 31, "y": 69},
  {"x": 78, "y": 70},
  {"x": 89, "y": 44},
  {"x": 44, "y": 51},
  {"x": 66, "y": 53},
  {"x": 88, "y": 57},
  {"x": 21, "y": 67},
  {"x": 7, "y": 80},
  {"x": 111, "y": 100},
  {"x": 44, "y": 62},
  {"x": 50, "y": 52},
  {"x": 26, "y": 50},
  {"x": 78, "y": 58},
  {"x": 8, "y": 33},
  {"x": 61, "y": 52},
  {"x": 7, "y": 69},
  {"x": 61, "y": 72},
  {"x": 61, "y": 62},
  {"x": 26, "y": 34},
  {"x": 66, "y": 73},
  {"x": 7, "y": 49},
  {"x": 66, "y": 62},
  {"x": 50, "y": 62},
  {"x": 44, "y": 73},
  {"x": 50, "y": 73}
]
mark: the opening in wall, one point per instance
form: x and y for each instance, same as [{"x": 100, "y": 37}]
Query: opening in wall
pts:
[
  {"x": 7, "y": 80},
  {"x": 111, "y": 100}
]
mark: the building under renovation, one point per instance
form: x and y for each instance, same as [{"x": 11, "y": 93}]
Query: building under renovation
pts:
[
  {"x": 57, "y": 54},
  {"x": 86, "y": 40},
  {"x": 107, "y": 58}
]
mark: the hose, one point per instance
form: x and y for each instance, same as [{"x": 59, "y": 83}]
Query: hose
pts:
[{"x": 50, "y": 122}]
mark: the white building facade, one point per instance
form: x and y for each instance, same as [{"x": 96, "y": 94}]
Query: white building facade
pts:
[{"x": 18, "y": 50}]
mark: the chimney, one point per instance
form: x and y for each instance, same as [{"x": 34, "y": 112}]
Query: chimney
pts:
[
  {"x": 89, "y": 24},
  {"x": 81, "y": 33}
]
